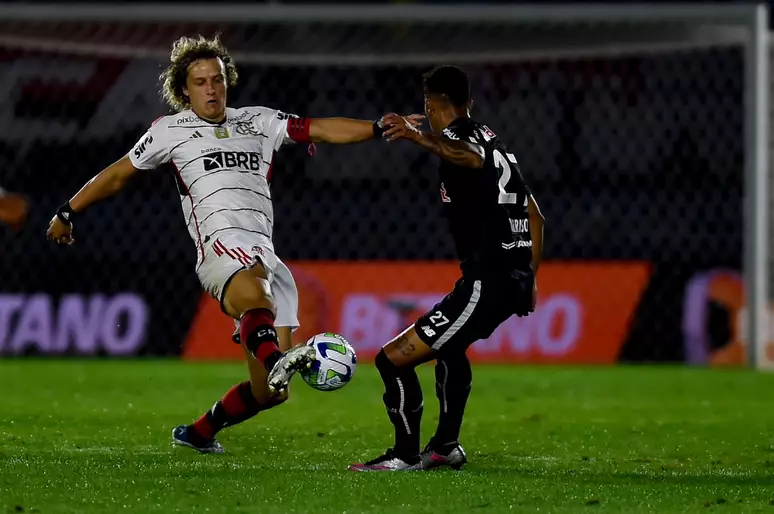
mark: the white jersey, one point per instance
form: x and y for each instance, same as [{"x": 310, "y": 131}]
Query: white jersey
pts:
[{"x": 222, "y": 169}]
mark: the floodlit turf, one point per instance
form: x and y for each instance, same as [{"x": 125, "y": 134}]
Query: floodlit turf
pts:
[{"x": 94, "y": 437}]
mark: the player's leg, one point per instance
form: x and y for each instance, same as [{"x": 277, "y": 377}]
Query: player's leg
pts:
[
  {"x": 240, "y": 403},
  {"x": 489, "y": 303},
  {"x": 249, "y": 297},
  {"x": 285, "y": 338},
  {"x": 396, "y": 363},
  {"x": 284, "y": 335},
  {"x": 248, "y": 398},
  {"x": 453, "y": 381},
  {"x": 445, "y": 326},
  {"x": 285, "y": 294},
  {"x": 294, "y": 358},
  {"x": 283, "y": 286}
]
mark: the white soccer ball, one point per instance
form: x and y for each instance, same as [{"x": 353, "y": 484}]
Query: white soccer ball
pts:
[{"x": 333, "y": 366}]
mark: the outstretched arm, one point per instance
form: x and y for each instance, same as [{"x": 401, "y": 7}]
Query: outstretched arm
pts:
[
  {"x": 340, "y": 130},
  {"x": 105, "y": 184},
  {"x": 461, "y": 153}
]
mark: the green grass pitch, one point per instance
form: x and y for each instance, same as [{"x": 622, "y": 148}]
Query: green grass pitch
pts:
[{"x": 93, "y": 436}]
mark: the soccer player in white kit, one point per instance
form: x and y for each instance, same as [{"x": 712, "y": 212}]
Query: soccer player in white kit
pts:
[{"x": 222, "y": 158}]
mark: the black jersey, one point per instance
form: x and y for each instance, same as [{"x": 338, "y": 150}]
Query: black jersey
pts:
[{"x": 487, "y": 207}]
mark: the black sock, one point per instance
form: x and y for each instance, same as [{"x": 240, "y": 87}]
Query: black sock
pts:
[
  {"x": 403, "y": 399},
  {"x": 453, "y": 380}
]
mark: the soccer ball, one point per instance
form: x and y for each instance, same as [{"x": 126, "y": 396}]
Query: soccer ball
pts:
[{"x": 333, "y": 366}]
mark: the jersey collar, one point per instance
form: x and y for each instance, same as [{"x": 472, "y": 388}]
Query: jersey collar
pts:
[{"x": 214, "y": 123}]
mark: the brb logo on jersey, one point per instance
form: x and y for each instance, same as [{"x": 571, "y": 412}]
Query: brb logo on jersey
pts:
[{"x": 250, "y": 161}]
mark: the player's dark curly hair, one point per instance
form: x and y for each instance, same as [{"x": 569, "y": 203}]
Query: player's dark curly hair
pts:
[
  {"x": 449, "y": 81},
  {"x": 186, "y": 51}
]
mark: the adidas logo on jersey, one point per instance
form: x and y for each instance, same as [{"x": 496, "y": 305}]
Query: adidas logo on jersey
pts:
[{"x": 195, "y": 135}]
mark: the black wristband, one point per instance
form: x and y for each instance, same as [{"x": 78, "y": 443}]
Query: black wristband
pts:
[
  {"x": 378, "y": 131},
  {"x": 65, "y": 213}
]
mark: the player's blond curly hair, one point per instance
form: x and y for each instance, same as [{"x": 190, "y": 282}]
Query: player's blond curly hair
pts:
[{"x": 186, "y": 51}]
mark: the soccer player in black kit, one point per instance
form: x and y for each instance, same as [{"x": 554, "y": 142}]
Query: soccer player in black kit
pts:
[{"x": 498, "y": 233}]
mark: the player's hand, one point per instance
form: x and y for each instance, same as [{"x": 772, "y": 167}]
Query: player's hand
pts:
[
  {"x": 400, "y": 127},
  {"x": 534, "y": 295},
  {"x": 415, "y": 119},
  {"x": 60, "y": 232}
]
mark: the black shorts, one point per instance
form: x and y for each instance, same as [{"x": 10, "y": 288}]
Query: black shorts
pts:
[{"x": 473, "y": 310}]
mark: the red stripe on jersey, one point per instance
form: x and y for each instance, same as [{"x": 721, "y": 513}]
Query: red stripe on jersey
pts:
[
  {"x": 193, "y": 210},
  {"x": 216, "y": 247},
  {"x": 298, "y": 129},
  {"x": 239, "y": 256}
]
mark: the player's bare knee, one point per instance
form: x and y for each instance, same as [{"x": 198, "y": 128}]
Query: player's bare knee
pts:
[
  {"x": 257, "y": 300},
  {"x": 247, "y": 292},
  {"x": 407, "y": 350}
]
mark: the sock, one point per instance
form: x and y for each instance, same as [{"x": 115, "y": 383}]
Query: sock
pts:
[
  {"x": 236, "y": 406},
  {"x": 453, "y": 381},
  {"x": 256, "y": 329},
  {"x": 403, "y": 399}
]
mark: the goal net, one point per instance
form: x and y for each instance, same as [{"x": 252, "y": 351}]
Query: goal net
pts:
[{"x": 635, "y": 129}]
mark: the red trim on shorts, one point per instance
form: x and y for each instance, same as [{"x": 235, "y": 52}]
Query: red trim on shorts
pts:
[
  {"x": 236, "y": 254},
  {"x": 247, "y": 258},
  {"x": 229, "y": 252}
]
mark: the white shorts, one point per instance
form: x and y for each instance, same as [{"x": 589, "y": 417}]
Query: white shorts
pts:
[{"x": 234, "y": 251}]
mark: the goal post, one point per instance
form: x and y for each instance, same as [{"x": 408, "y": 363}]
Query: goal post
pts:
[{"x": 524, "y": 51}]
